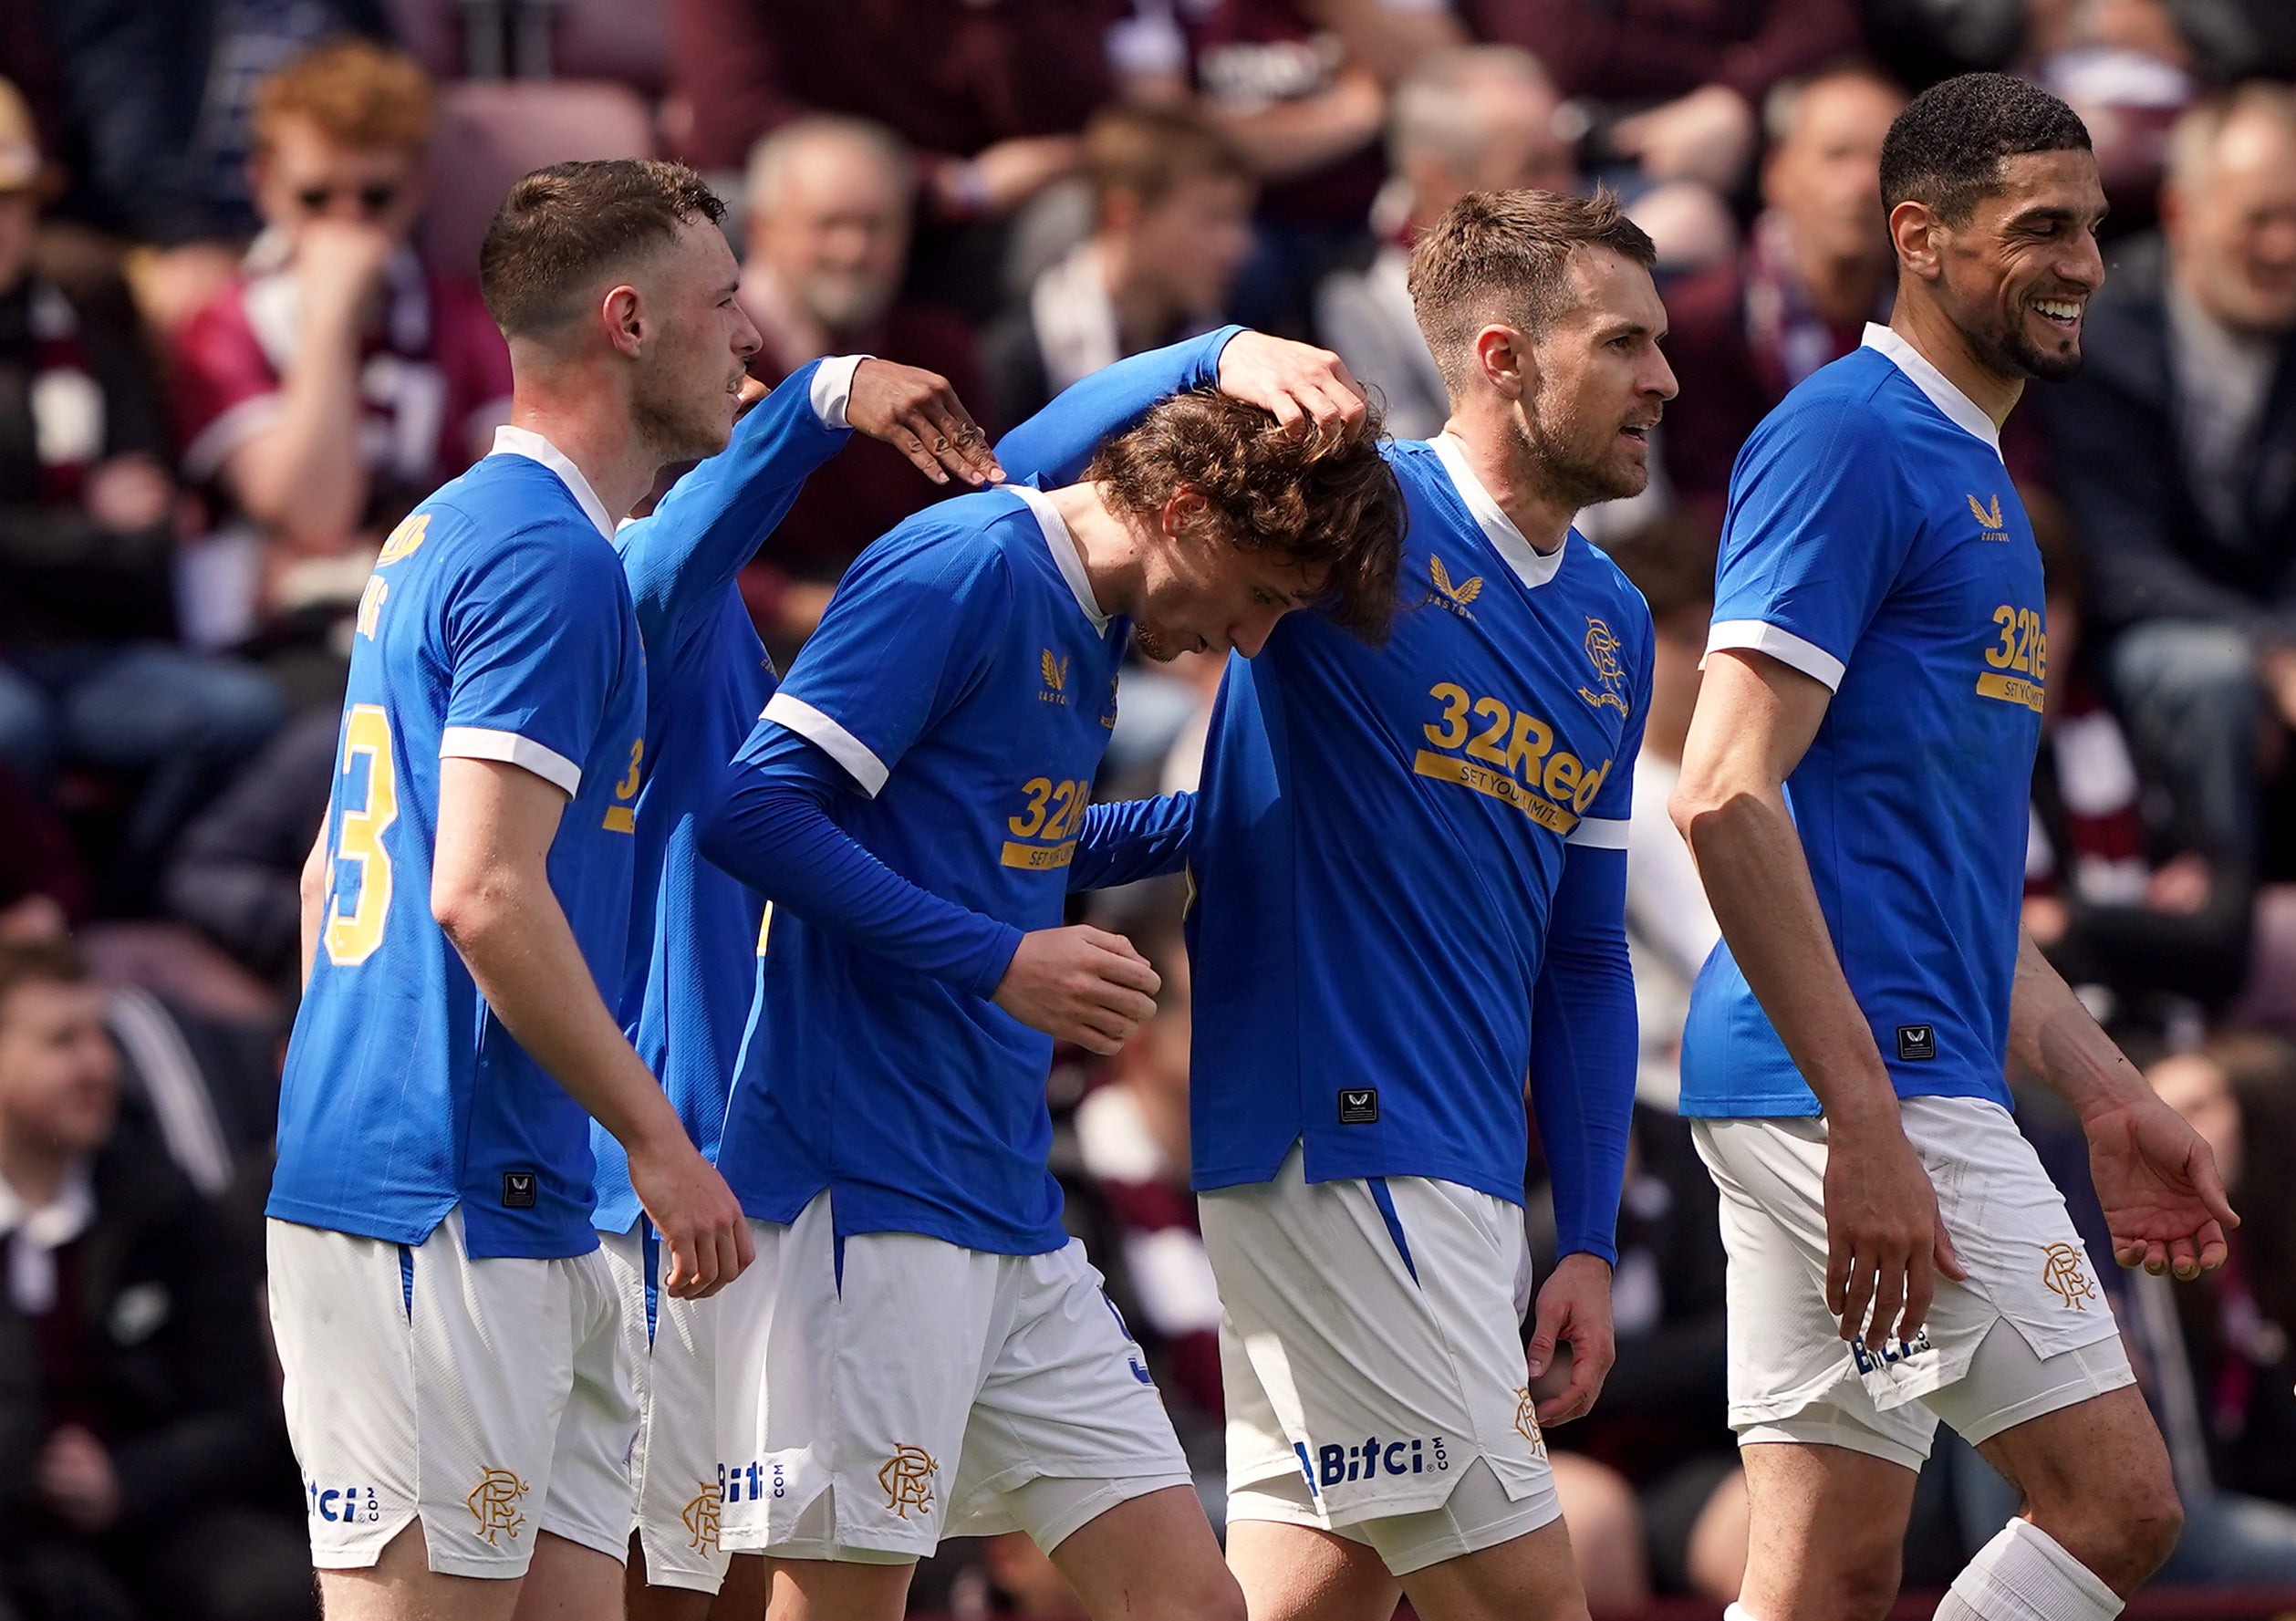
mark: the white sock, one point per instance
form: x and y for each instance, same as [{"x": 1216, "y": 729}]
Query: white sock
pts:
[{"x": 2023, "y": 1575}]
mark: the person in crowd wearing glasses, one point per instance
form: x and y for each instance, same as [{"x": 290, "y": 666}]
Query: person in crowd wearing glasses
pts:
[{"x": 339, "y": 378}]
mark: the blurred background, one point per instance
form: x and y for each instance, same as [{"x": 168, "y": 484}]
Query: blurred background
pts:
[{"x": 239, "y": 339}]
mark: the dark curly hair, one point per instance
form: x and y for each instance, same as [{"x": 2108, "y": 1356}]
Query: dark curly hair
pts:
[
  {"x": 1314, "y": 500},
  {"x": 1945, "y": 150}
]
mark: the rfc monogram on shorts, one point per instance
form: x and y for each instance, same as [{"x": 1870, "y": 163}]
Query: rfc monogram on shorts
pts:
[
  {"x": 908, "y": 1479},
  {"x": 1527, "y": 1421},
  {"x": 700, "y": 1521},
  {"x": 2062, "y": 1270},
  {"x": 493, "y": 1503}
]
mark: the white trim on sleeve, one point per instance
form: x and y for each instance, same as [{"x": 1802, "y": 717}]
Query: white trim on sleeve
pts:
[
  {"x": 832, "y": 739},
  {"x": 833, "y": 388},
  {"x": 1599, "y": 833},
  {"x": 485, "y": 743},
  {"x": 1784, "y": 646}
]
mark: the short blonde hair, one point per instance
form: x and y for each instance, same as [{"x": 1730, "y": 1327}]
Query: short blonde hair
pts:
[{"x": 355, "y": 92}]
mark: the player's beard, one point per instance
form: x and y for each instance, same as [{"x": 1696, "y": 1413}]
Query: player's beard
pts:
[
  {"x": 1152, "y": 646},
  {"x": 2005, "y": 347},
  {"x": 1563, "y": 465},
  {"x": 680, "y": 426}
]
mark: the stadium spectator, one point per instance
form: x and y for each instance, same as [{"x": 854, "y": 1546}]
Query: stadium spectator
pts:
[
  {"x": 339, "y": 379},
  {"x": 990, "y": 97},
  {"x": 1816, "y": 267},
  {"x": 2176, "y": 440},
  {"x": 87, "y": 676},
  {"x": 2109, "y": 902},
  {"x": 1173, "y": 209},
  {"x": 142, "y": 1468},
  {"x": 827, "y": 233},
  {"x": 1478, "y": 117},
  {"x": 1673, "y": 86},
  {"x": 162, "y": 103}
]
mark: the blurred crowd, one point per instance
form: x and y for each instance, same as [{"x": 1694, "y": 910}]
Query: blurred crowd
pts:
[{"x": 238, "y": 340}]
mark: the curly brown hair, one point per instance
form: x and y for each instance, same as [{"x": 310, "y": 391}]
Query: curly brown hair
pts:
[
  {"x": 355, "y": 92},
  {"x": 1312, "y": 499}
]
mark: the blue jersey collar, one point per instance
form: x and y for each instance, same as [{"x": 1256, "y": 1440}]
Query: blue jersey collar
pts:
[
  {"x": 1958, "y": 408},
  {"x": 527, "y": 442},
  {"x": 1532, "y": 567},
  {"x": 1063, "y": 547}
]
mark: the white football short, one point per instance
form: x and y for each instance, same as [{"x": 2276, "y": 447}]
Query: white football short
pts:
[
  {"x": 1371, "y": 1344},
  {"x": 2029, "y": 1333},
  {"x": 873, "y": 1402},
  {"x": 490, "y": 1398},
  {"x": 671, "y": 1347}
]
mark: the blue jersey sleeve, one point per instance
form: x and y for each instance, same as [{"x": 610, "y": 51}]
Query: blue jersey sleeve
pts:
[
  {"x": 534, "y": 643},
  {"x": 910, "y": 629},
  {"x": 682, "y": 554},
  {"x": 1132, "y": 839},
  {"x": 1818, "y": 529},
  {"x": 771, "y": 829},
  {"x": 1054, "y": 445},
  {"x": 1583, "y": 1049}
]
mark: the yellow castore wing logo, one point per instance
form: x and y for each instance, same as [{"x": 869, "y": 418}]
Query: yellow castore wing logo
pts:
[
  {"x": 1463, "y": 593},
  {"x": 1988, "y": 516},
  {"x": 1055, "y": 673}
]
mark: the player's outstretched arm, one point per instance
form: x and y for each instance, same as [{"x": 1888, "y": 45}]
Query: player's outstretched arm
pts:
[
  {"x": 1755, "y": 719},
  {"x": 2163, "y": 1197},
  {"x": 1127, "y": 840},
  {"x": 1305, "y": 387},
  {"x": 490, "y": 891}
]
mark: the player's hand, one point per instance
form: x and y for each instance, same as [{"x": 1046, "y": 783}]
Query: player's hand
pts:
[
  {"x": 920, "y": 415},
  {"x": 2163, "y": 1200},
  {"x": 1884, "y": 1241},
  {"x": 1079, "y": 984},
  {"x": 749, "y": 396},
  {"x": 1308, "y": 388},
  {"x": 1573, "y": 1309},
  {"x": 699, "y": 1220}
]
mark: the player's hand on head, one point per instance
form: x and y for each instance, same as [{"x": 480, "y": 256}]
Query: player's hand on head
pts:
[
  {"x": 918, "y": 414},
  {"x": 1886, "y": 1242},
  {"x": 701, "y": 1221},
  {"x": 2163, "y": 1197},
  {"x": 1080, "y": 984},
  {"x": 1308, "y": 388},
  {"x": 1572, "y": 1311}
]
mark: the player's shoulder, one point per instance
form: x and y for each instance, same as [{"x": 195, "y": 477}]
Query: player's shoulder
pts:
[
  {"x": 967, "y": 542},
  {"x": 508, "y": 516},
  {"x": 1603, "y": 589},
  {"x": 1853, "y": 401}
]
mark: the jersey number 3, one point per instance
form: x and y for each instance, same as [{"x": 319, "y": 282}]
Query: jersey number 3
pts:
[{"x": 351, "y": 937}]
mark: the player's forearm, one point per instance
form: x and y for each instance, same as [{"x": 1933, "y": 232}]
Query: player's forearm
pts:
[
  {"x": 2052, "y": 1034},
  {"x": 514, "y": 938},
  {"x": 1131, "y": 839},
  {"x": 1584, "y": 1049},
  {"x": 1757, "y": 878},
  {"x": 1057, "y": 442}
]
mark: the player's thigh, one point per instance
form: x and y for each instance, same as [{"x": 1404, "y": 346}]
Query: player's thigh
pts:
[
  {"x": 1301, "y": 1571},
  {"x": 569, "y": 1582},
  {"x": 2097, "y": 1477},
  {"x": 834, "y": 1590},
  {"x": 1826, "y": 1527},
  {"x": 1531, "y": 1577},
  {"x": 399, "y": 1585},
  {"x": 1152, "y": 1556}
]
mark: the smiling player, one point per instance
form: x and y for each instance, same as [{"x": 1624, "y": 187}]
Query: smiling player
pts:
[{"x": 1855, "y": 790}]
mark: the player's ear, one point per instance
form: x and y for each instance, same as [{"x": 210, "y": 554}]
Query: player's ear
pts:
[
  {"x": 1504, "y": 358},
  {"x": 1184, "y": 511},
  {"x": 623, "y": 319},
  {"x": 1913, "y": 231}
]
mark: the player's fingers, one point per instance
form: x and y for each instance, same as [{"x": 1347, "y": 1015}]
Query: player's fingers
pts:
[
  {"x": 1540, "y": 1351},
  {"x": 1098, "y": 1032},
  {"x": 1921, "y": 1289},
  {"x": 744, "y": 1246},
  {"x": 2156, "y": 1256},
  {"x": 2208, "y": 1182},
  {"x": 1289, "y": 416},
  {"x": 1575, "y": 1400},
  {"x": 1837, "y": 1277},
  {"x": 2183, "y": 1259},
  {"x": 909, "y": 445},
  {"x": 679, "y": 1277},
  {"x": 1947, "y": 1259},
  {"x": 1133, "y": 973},
  {"x": 1857, "y": 1296},
  {"x": 1889, "y": 1300},
  {"x": 958, "y": 440},
  {"x": 1121, "y": 1001},
  {"x": 2213, "y": 1248}
]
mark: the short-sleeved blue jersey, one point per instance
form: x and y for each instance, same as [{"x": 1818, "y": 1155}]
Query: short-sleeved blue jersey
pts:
[
  {"x": 1378, "y": 838},
  {"x": 1874, "y": 543},
  {"x": 691, "y": 966},
  {"x": 497, "y": 625},
  {"x": 965, "y": 680}
]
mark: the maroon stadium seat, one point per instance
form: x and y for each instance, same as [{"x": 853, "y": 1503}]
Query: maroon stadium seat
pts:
[
  {"x": 491, "y": 133},
  {"x": 612, "y": 39}
]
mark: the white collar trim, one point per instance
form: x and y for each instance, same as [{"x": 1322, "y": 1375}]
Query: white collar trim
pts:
[
  {"x": 1532, "y": 567},
  {"x": 1958, "y": 408},
  {"x": 527, "y": 442},
  {"x": 1063, "y": 547}
]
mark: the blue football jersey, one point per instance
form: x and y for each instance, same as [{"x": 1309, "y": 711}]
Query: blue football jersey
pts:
[
  {"x": 1875, "y": 542},
  {"x": 497, "y": 625},
  {"x": 1378, "y": 837},
  {"x": 965, "y": 680},
  {"x": 690, "y": 969}
]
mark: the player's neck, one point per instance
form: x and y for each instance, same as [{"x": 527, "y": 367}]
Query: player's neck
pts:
[
  {"x": 1938, "y": 340},
  {"x": 592, "y": 431},
  {"x": 1495, "y": 453},
  {"x": 1105, "y": 543}
]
